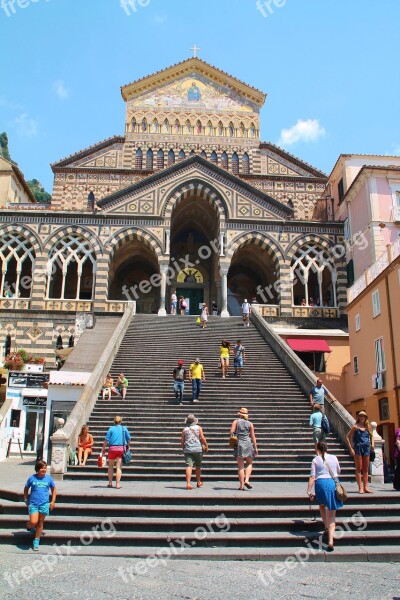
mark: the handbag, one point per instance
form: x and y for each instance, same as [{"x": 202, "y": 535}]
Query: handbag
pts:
[
  {"x": 198, "y": 320},
  {"x": 127, "y": 455},
  {"x": 101, "y": 461},
  {"x": 341, "y": 493}
]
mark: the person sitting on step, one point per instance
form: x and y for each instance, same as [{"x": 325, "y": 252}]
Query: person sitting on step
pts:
[{"x": 107, "y": 386}]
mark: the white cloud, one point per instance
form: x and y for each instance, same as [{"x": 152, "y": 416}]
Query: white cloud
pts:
[
  {"x": 25, "y": 125},
  {"x": 60, "y": 89},
  {"x": 309, "y": 130}
]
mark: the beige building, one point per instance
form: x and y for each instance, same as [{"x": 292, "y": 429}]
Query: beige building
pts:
[
  {"x": 373, "y": 376},
  {"x": 13, "y": 187}
]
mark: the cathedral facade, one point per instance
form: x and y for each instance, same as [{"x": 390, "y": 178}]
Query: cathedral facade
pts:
[{"x": 188, "y": 200}]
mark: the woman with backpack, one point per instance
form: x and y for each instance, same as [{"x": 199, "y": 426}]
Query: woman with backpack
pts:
[{"x": 194, "y": 444}]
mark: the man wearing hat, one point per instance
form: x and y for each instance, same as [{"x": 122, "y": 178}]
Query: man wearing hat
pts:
[
  {"x": 246, "y": 312},
  {"x": 179, "y": 375},
  {"x": 196, "y": 376}
]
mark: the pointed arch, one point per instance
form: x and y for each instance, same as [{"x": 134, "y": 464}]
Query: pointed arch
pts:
[
  {"x": 149, "y": 159},
  {"x": 166, "y": 128},
  {"x": 231, "y": 129},
  {"x": 177, "y": 126},
  {"x": 214, "y": 157},
  {"x": 188, "y": 126},
  {"x": 171, "y": 157},
  {"x": 182, "y": 154},
  {"x": 235, "y": 164},
  {"x": 139, "y": 159},
  {"x": 199, "y": 188},
  {"x": 245, "y": 164},
  {"x": 224, "y": 161},
  {"x": 160, "y": 159},
  {"x": 220, "y": 128},
  {"x": 199, "y": 127},
  {"x": 155, "y": 126},
  {"x": 203, "y": 154},
  {"x": 144, "y": 124}
]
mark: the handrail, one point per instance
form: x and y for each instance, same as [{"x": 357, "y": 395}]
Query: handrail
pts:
[
  {"x": 339, "y": 417},
  {"x": 68, "y": 435}
]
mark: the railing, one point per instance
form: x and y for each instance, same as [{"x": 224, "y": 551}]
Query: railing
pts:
[
  {"x": 268, "y": 310},
  {"x": 325, "y": 312},
  {"x": 15, "y": 303},
  {"x": 370, "y": 274},
  {"x": 68, "y": 435},
  {"x": 341, "y": 420}
]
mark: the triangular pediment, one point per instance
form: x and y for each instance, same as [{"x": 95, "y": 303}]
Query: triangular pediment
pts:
[
  {"x": 193, "y": 67},
  {"x": 150, "y": 197},
  {"x": 277, "y": 162},
  {"x": 105, "y": 154}
]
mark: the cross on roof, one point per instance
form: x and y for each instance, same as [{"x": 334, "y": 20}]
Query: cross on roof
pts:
[{"x": 195, "y": 49}]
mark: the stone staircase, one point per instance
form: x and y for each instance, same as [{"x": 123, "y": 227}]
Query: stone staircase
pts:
[
  {"x": 153, "y": 514},
  {"x": 278, "y": 408}
]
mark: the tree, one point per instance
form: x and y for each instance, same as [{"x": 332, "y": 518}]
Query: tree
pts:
[{"x": 38, "y": 191}]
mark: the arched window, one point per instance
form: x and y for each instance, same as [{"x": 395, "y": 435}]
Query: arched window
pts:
[
  {"x": 242, "y": 130},
  {"x": 90, "y": 201},
  {"x": 166, "y": 126},
  {"x": 182, "y": 155},
  {"x": 71, "y": 269},
  {"x": 171, "y": 157},
  {"x": 252, "y": 131},
  {"x": 290, "y": 204},
  {"x": 59, "y": 343},
  {"x": 199, "y": 128},
  {"x": 231, "y": 129},
  {"x": 235, "y": 163},
  {"x": 149, "y": 159},
  {"x": 188, "y": 127},
  {"x": 133, "y": 125},
  {"x": 177, "y": 126},
  {"x": 246, "y": 164},
  {"x": 210, "y": 128},
  {"x": 314, "y": 277},
  {"x": 155, "y": 126},
  {"x": 192, "y": 152},
  {"x": 7, "y": 345},
  {"x": 220, "y": 128},
  {"x": 139, "y": 159},
  {"x": 17, "y": 259},
  {"x": 214, "y": 157},
  {"x": 224, "y": 160},
  {"x": 160, "y": 159},
  {"x": 203, "y": 154},
  {"x": 144, "y": 124}
]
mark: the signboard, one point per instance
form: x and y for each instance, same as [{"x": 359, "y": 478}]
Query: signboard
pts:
[
  {"x": 38, "y": 401},
  {"x": 30, "y": 380}
]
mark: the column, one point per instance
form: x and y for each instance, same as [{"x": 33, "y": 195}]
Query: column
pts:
[
  {"x": 221, "y": 244},
  {"x": 224, "y": 291},
  {"x": 163, "y": 270},
  {"x": 167, "y": 241}
]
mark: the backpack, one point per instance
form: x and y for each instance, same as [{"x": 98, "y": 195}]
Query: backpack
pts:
[{"x": 325, "y": 425}]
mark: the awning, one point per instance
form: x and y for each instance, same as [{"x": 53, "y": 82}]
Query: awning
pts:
[{"x": 308, "y": 345}]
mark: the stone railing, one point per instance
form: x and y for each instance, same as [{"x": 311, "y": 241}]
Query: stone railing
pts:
[
  {"x": 68, "y": 435},
  {"x": 392, "y": 252},
  {"x": 323, "y": 312},
  {"x": 340, "y": 419},
  {"x": 15, "y": 303}
]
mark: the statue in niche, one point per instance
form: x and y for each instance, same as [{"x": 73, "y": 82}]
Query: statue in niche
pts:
[{"x": 194, "y": 94}]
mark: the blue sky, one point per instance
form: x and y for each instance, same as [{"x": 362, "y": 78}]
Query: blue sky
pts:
[{"x": 330, "y": 69}]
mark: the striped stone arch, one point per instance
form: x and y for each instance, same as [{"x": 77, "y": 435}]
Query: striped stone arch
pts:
[
  {"x": 120, "y": 238},
  {"x": 258, "y": 239},
  {"x": 318, "y": 240},
  {"x": 30, "y": 235},
  {"x": 61, "y": 233},
  {"x": 199, "y": 188}
]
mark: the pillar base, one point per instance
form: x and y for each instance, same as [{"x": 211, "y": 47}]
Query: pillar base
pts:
[
  {"x": 225, "y": 314},
  {"x": 162, "y": 312}
]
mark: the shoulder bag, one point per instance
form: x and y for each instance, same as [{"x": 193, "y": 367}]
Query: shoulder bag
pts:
[
  {"x": 127, "y": 455},
  {"x": 341, "y": 493}
]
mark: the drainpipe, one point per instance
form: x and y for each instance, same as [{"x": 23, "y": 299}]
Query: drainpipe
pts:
[{"x": 394, "y": 363}]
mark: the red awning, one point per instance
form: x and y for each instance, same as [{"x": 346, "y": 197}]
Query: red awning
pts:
[{"x": 308, "y": 345}]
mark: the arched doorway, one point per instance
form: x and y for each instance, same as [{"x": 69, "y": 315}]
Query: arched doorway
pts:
[
  {"x": 314, "y": 277},
  {"x": 194, "y": 250},
  {"x": 134, "y": 275},
  {"x": 253, "y": 274}
]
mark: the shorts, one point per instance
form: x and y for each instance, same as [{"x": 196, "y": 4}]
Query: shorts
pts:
[
  {"x": 362, "y": 449},
  {"x": 43, "y": 509},
  {"x": 238, "y": 362},
  {"x": 113, "y": 454},
  {"x": 318, "y": 435},
  {"x": 193, "y": 459}
]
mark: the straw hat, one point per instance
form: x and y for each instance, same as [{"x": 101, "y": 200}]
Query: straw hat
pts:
[
  {"x": 191, "y": 420},
  {"x": 243, "y": 412}
]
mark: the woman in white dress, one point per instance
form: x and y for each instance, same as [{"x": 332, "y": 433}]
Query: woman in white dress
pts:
[{"x": 204, "y": 315}]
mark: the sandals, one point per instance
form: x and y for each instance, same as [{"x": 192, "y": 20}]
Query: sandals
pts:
[
  {"x": 247, "y": 484},
  {"x": 200, "y": 484},
  {"x": 189, "y": 487},
  {"x": 330, "y": 548},
  {"x": 110, "y": 485}
]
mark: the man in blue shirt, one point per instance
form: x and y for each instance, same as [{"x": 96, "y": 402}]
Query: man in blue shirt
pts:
[{"x": 317, "y": 395}]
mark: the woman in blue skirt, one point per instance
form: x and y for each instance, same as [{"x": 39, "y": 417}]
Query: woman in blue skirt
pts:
[{"x": 325, "y": 489}]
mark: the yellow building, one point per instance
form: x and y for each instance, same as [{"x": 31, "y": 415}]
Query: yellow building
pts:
[{"x": 373, "y": 377}]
